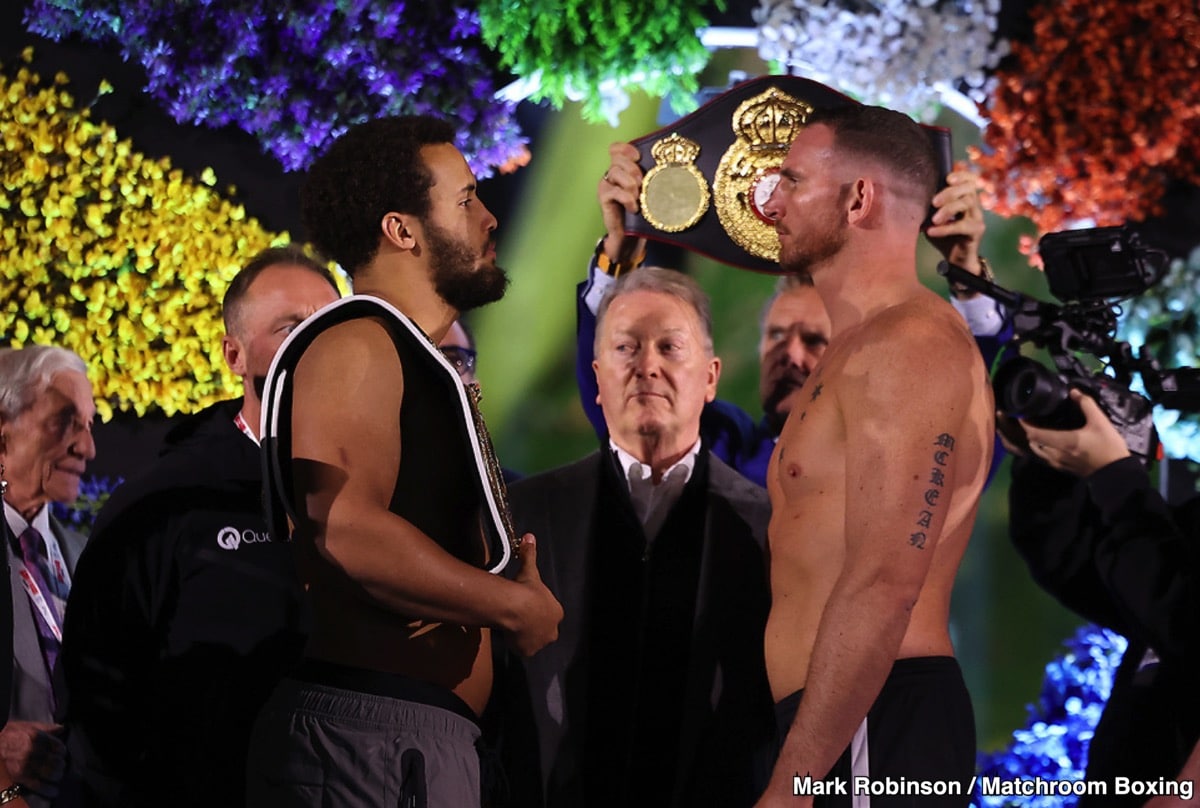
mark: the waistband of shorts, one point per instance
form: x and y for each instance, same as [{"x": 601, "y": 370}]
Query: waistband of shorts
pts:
[
  {"x": 914, "y": 667},
  {"x": 381, "y": 683},
  {"x": 908, "y": 667}
]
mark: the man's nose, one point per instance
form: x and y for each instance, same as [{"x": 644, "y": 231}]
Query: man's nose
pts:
[
  {"x": 646, "y": 364},
  {"x": 770, "y": 208},
  {"x": 489, "y": 220},
  {"x": 85, "y": 445},
  {"x": 800, "y": 353}
]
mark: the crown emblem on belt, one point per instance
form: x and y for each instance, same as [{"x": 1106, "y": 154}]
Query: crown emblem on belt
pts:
[{"x": 763, "y": 127}]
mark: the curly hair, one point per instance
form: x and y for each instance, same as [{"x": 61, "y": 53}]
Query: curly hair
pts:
[{"x": 375, "y": 167}]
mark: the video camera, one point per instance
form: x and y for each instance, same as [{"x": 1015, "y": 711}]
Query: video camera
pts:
[{"x": 1092, "y": 271}]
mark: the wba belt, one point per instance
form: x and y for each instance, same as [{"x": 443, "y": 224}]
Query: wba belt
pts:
[{"x": 709, "y": 174}]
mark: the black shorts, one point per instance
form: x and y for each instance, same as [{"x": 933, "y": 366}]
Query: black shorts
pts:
[{"x": 916, "y": 746}]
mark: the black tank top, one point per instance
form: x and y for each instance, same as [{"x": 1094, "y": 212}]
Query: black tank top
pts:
[{"x": 441, "y": 485}]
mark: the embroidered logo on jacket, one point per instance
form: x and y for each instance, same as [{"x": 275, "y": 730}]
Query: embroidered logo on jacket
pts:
[{"x": 230, "y": 538}]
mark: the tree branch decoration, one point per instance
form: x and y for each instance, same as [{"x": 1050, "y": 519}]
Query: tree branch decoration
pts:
[
  {"x": 896, "y": 53},
  {"x": 1054, "y": 742},
  {"x": 596, "y": 52},
  {"x": 1164, "y": 318}
]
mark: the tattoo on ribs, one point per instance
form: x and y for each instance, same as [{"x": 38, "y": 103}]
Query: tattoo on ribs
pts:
[
  {"x": 817, "y": 391},
  {"x": 937, "y": 483}
]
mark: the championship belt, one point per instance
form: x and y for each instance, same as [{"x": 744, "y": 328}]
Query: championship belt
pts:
[{"x": 709, "y": 174}]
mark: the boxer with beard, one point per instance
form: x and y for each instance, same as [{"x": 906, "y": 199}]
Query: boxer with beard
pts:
[
  {"x": 378, "y": 460},
  {"x": 874, "y": 483}
]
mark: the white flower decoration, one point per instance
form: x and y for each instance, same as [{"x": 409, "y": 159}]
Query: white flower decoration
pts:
[{"x": 896, "y": 53}]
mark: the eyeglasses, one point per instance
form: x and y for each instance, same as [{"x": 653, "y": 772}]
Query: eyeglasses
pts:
[{"x": 463, "y": 359}]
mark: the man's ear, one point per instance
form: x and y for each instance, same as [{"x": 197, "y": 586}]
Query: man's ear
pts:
[
  {"x": 862, "y": 197},
  {"x": 714, "y": 376},
  {"x": 235, "y": 357},
  {"x": 596, "y": 371},
  {"x": 397, "y": 229}
]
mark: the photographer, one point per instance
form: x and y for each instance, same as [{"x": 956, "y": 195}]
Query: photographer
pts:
[{"x": 1099, "y": 537}]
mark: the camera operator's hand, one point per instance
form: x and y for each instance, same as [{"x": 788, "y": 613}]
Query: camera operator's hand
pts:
[
  {"x": 957, "y": 228},
  {"x": 1079, "y": 451}
]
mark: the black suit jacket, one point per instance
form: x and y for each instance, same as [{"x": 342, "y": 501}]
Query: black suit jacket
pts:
[{"x": 728, "y": 714}]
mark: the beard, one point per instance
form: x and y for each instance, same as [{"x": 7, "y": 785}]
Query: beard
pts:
[
  {"x": 458, "y": 277},
  {"x": 822, "y": 241}
]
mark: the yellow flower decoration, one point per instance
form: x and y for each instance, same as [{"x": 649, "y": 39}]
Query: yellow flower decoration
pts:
[{"x": 113, "y": 254}]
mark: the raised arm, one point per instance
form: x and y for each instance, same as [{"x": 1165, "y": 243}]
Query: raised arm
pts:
[
  {"x": 958, "y": 226},
  {"x": 957, "y": 233},
  {"x": 346, "y": 445},
  {"x": 617, "y": 192}
]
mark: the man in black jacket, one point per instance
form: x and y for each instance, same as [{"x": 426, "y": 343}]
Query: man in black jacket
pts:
[
  {"x": 185, "y": 611},
  {"x": 1099, "y": 537},
  {"x": 655, "y": 692}
]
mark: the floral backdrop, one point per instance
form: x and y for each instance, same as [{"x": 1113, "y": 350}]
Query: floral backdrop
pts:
[
  {"x": 1092, "y": 119},
  {"x": 297, "y": 75},
  {"x": 118, "y": 257}
]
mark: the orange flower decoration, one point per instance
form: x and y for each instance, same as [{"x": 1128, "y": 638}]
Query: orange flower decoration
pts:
[{"x": 1097, "y": 115}]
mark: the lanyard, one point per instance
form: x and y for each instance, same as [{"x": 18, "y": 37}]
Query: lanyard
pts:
[
  {"x": 241, "y": 424},
  {"x": 58, "y": 568}
]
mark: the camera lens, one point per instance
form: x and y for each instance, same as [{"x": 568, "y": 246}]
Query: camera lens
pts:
[{"x": 1027, "y": 390}]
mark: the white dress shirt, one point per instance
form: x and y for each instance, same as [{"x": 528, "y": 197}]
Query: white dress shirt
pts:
[{"x": 652, "y": 502}]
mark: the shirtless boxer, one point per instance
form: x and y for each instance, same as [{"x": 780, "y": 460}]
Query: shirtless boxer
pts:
[{"x": 874, "y": 483}]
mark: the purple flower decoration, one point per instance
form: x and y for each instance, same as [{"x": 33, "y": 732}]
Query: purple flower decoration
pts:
[
  {"x": 93, "y": 493},
  {"x": 295, "y": 79}
]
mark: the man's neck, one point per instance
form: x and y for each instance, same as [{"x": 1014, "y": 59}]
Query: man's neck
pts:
[
  {"x": 27, "y": 507},
  {"x": 855, "y": 286},
  {"x": 251, "y": 412},
  {"x": 417, "y": 300}
]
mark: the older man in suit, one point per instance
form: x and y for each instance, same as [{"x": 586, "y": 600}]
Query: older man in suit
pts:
[
  {"x": 46, "y": 412},
  {"x": 655, "y": 692}
]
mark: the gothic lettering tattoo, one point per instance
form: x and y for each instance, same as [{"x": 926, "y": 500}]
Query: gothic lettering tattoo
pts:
[{"x": 937, "y": 483}]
